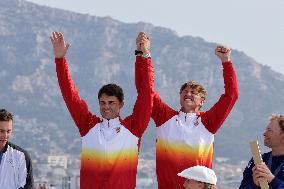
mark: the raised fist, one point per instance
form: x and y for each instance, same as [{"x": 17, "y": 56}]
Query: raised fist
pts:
[
  {"x": 143, "y": 43},
  {"x": 224, "y": 53}
]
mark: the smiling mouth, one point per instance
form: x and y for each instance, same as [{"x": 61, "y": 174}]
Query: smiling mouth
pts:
[
  {"x": 188, "y": 98},
  {"x": 265, "y": 139}
]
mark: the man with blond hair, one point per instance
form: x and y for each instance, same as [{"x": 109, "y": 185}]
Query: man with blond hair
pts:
[
  {"x": 272, "y": 168},
  {"x": 185, "y": 138}
]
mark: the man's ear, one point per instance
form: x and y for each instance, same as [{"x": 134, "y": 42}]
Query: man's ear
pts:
[
  {"x": 202, "y": 102},
  {"x": 121, "y": 104}
]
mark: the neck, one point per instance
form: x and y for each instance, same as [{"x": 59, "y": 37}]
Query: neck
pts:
[
  {"x": 111, "y": 118},
  {"x": 277, "y": 151},
  {"x": 185, "y": 110}
]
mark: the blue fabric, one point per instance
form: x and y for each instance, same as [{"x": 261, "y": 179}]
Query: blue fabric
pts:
[
  {"x": 1, "y": 154},
  {"x": 276, "y": 183}
]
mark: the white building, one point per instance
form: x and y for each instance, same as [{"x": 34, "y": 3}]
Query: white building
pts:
[{"x": 57, "y": 161}]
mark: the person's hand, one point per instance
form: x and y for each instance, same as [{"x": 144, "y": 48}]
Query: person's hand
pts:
[
  {"x": 60, "y": 47},
  {"x": 143, "y": 43},
  {"x": 255, "y": 177},
  {"x": 224, "y": 53},
  {"x": 262, "y": 171}
]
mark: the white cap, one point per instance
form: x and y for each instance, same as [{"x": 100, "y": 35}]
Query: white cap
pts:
[{"x": 199, "y": 173}]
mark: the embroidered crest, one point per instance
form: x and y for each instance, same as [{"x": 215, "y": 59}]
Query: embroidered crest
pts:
[
  {"x": 117, "y": 129},
  {"x": 196, "y": 123}
]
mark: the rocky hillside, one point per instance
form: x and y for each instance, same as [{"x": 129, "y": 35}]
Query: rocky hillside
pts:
[{"x": 102, "y": 51}]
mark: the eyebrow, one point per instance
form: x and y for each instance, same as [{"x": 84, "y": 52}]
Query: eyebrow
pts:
[
  {"x": 5, "y": 130},
  {"x": 109, "y": 101}
]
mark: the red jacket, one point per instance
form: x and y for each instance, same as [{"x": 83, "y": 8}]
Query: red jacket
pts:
[
  {"x": 185, "y": 140},
  {"x": 109, "y": 163}
]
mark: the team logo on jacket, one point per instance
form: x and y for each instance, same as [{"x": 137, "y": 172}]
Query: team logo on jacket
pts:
[
  {"x": 117, "y": 129},
  {"x": 196, "y": 123}
]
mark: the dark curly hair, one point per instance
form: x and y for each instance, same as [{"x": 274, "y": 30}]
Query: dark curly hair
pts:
[{"x": 5, "y": 115}]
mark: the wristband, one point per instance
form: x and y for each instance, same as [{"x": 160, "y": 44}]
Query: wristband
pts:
[{"x": 138, "y": 52}]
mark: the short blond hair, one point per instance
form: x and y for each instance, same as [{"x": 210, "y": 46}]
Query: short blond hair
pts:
[
  {"x": 195, "y": 86},
  {"x": 279, "y": 118}
]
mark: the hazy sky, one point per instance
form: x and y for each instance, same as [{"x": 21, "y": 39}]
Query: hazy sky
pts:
[{"x": 255, "y": 27}]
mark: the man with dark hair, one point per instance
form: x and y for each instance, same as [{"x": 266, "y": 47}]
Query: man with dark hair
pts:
[
  {"x": 272, "y": 169},
  {"x": 15, "y": 162},
  {"x": 110, "y": 144},
  {"x": 185, "y": 137},
  {"x": 112, "y": 90}
]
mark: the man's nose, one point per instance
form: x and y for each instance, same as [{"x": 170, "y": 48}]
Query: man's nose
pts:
[
  {"x": 106, "y": 106},
  {"x": 187, "y": 94},
  {"x": 5, "y": 134}
]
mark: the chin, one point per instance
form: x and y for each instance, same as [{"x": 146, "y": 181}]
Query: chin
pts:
[
  {"x": 108, "y": 117},
  {"x": 267, "y": 145},
  {"x": 2, "y": 145},
  {"x": 105, "y": 116}
]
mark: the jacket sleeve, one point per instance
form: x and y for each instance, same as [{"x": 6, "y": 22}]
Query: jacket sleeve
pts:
[
  {"x": 26, "y": 172},
  {"x": 277, "y": 183},
  {"x": 161, "y": 111},
  {"x": 214, "y": 118},
  {"x": 138, "y": 121},
  {"x": 247, "y": 182},
  {"x": 77, "y": 107}
]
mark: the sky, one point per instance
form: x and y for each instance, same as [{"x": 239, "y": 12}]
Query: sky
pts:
[{"x": 255, "y": 27}]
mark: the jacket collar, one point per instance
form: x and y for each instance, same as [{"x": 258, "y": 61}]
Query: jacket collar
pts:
[{"x": 110, "y": 123}]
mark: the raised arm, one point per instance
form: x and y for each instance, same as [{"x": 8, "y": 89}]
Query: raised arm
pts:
[
  {"x": 214, "y": 118},
  {"x": 161, "y": 112},
  {"x": 142, "y": 50},
  {"x": 144, "y": 80},
  {"x": 76, "y": 106}
]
